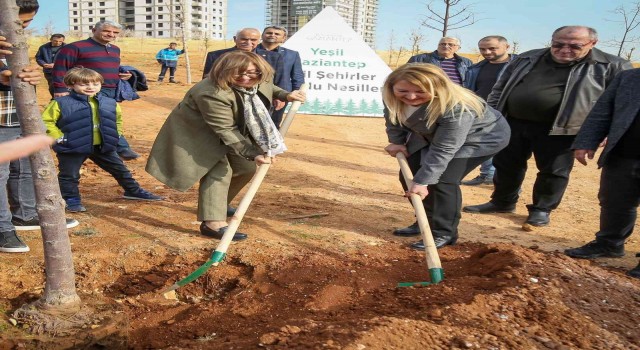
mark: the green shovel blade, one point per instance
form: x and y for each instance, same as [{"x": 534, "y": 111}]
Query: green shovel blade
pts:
[{"x": 437, "y": 275}]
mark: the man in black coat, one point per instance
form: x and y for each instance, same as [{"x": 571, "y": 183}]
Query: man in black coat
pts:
[
  {"x": 546, "y": 95},
  {"x": 614, "y": 119}
]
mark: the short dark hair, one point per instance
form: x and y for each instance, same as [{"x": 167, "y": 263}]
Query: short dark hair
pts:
[
  {"x": 500, "y": 38},
  {"x": 286, "y": 33},
  {"x": 27, "y": 6},
  {"x": 56, "y": 36},
  {"x": 173, "y": 43}
]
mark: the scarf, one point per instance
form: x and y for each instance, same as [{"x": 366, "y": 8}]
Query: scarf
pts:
[{"x": 259, "y": 124}]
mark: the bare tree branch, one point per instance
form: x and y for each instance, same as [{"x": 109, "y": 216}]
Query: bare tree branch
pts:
[
  {"x": 630, "y": 20},
  {"x": 450, "y": 17}
]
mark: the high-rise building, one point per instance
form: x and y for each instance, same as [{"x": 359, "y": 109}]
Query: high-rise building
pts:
[
  {"x": 293, "y": 14},
  {"x": 152, "y": 18}
]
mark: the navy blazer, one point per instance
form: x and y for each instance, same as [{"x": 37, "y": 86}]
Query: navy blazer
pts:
[
  {"x": 612, "y": 115},
  {"x": 45, "y": 55},
  {"x": 293, "y": 76},
  {"x": 275, "y": 60}
]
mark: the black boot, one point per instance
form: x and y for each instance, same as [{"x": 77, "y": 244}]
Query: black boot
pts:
[
  {"x": 439, "y": 241},
  {"x": 409, "y": 231}
]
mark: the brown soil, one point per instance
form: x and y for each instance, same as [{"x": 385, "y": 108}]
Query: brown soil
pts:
[{"x": 325, "y": 282}]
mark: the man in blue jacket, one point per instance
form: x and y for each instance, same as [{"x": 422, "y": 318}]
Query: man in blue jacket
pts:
[
  {"x": 480, "y": 79},
  {"x": 292, "y": 74},
  {"x": 446, "y": 58},
  {"x": 168, "y": 58},
  {"x": 45, "y": 57}
]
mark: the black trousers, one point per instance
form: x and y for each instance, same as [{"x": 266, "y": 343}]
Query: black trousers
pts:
[
  {"x": 49, "y": 77},
  {"x": 163, "y": 71},
  {"x": 444, "y": 201},
  {"x": 554, "y": 160},
  {"x": 619, "y": 197}
]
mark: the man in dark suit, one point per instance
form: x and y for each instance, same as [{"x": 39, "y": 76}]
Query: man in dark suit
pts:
[
  {"x": 293, "y": 76},
  {"x": 614, "y": 118},
  {"x": 247, "y": 39}
]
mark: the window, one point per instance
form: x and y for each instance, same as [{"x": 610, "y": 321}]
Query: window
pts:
[
  {"x": 148, "y": 1},
  {"x": 90, "y": 12},
  {"x": 75, "y": 27},
  {"x": 160, "y": 33},
  {"x": 148, "y": 9},
  {"x": 103, "y": 18},
  {"x": 148, "y": 18},
  {"x": 75, "y": 5},
  {"x": 160, "y": 25},
  {"x": 149, "y": 33},
  {"x": 160, "y": 8},
  {"x": 90, "y": 4},
  {"x": 129, "y": 12},
  {"x": 149, "y": 25},
  {"x": 101, "y": 3},
  {"x": 75, "y": 20},
  {"x": 160, "y": 17},
  {"x": 102, "y": 12},
  {"x": 177, "y": 8}
]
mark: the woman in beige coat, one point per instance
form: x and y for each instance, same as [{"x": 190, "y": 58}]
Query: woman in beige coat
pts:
[{"x": 217, "y": 135}]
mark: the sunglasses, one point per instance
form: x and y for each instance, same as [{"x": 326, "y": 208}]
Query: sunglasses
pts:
[{"x": 558, "y": 45}]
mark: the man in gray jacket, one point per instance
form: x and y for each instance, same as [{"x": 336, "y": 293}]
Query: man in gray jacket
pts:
[
  {"x": 546, "y": 95},
  {"x": 614, "y": 118}
]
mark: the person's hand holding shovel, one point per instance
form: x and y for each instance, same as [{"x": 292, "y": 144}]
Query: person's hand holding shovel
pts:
[{"x": 264, "y": 159}]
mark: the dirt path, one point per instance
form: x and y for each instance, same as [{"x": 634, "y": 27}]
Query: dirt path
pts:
[{"x": 327, "y": 282}]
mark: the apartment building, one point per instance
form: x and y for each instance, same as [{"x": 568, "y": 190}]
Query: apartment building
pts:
[
  {"x": 153, "y": 18},
  {"x": 293, "y": 14}
]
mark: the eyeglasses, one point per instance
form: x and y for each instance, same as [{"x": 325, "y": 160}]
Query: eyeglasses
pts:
[
  {"x": 447, "y": 44},
  {"x": 250, "y": 75},
  {"x": 559, "y": 45}
]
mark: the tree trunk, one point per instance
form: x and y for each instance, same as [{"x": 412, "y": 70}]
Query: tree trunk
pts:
[
  {"x": 60, "y": 275},
  {"x": 186, "y": 57},
  {"x": 445, "y": 22}
]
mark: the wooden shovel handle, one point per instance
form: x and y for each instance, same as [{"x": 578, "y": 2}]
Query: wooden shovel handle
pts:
[
  {"x": 433, "y": 259},
  {"x": 234, "y": 222}
]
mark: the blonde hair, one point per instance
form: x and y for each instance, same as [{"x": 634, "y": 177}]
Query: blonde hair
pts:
[
  {"x": 235, "y": 62},
  {"x": 82, "y": 75},
  {"x": 446, "y": 95}
]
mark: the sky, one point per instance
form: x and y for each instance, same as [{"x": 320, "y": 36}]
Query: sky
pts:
[{"x": 528, "y": 22}]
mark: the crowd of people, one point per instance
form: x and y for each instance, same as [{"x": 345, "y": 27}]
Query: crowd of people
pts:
[{"x": 444, "y": 113}]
